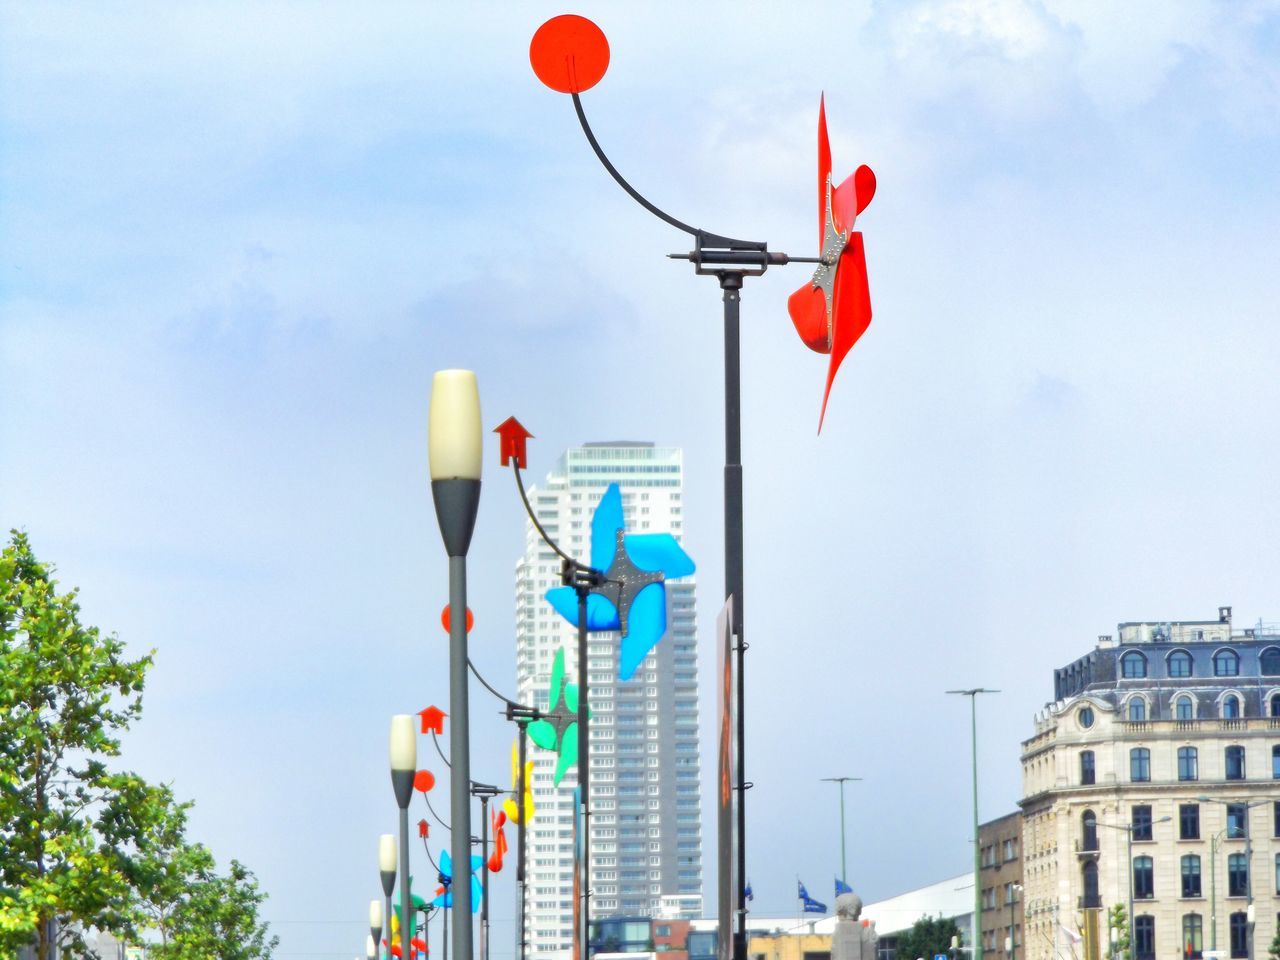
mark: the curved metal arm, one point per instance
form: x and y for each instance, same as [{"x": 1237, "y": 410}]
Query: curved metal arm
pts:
[
  {"x": 436, "y": 815},
  {"x": 704, "y": 238},
  {"x": 524, "y": 498},
  {"x": 488, "y": 686},
  {"x": 427, "y": 850}
]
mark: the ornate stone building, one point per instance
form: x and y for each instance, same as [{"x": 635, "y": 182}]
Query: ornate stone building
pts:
[{"x": 1154, "y": 777}]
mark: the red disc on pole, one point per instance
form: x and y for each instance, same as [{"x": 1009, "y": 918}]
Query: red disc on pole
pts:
[
  {"x": 569, "y": 53},
  {"x": 446, "y": 620}
]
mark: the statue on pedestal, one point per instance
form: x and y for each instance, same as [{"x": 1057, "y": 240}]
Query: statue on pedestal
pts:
[{"x": 853, "y": 938}]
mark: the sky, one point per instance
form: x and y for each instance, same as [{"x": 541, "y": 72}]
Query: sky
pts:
[{"x": 237, "y": 239}]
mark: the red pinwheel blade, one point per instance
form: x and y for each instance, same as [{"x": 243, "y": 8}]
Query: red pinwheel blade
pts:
[
  {"x": 808, "y": 309},
  {"x": 824, "y": 167},
  {"x": 850, "y": 310}
]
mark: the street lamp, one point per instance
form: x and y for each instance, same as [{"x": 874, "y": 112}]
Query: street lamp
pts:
[
  {"x": 454, "y": 449},
  {"x": 371, "y": 948},
  {"x": 972, "y": 694},
  {"x": 1248, "y": 863},
  {"x": 404, "y": 763},
  {"x": 387, "y": 873},
  {"x": 1128, "y": 829},
  {"x": 375, "y": 926},
  {"x": 844, "y": 866}
]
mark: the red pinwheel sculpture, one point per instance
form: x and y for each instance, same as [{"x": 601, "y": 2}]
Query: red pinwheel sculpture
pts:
[{"x": 833, "y": 309}]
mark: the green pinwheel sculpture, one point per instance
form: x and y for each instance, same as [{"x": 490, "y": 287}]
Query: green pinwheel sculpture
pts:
[{"x": 558, "y": 730}]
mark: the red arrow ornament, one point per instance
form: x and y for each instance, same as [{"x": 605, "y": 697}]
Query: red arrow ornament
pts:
[{"x": 513, "y": 435}]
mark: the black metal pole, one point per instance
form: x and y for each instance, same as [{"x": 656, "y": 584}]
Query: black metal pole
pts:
[
  {"x": 584, "y": 785},
  {"x": 520, "y": 832},
  {"x": 731, "y": 284},
  {"x": 484, "y": 876},
  {"x": 444, "y": 934}
]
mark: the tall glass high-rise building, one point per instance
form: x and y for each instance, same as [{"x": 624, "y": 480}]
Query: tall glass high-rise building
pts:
[{"x": 646, "y": 834}]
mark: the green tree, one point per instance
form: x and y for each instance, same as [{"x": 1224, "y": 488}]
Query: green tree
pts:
[
  {"x": 1274, "y": 950},
  {"x": 1118, "y": 920},
  {"x": 86, "y": 847},
  {"x": 215, "y": 917},
  {"x": 927, "y": 937}
]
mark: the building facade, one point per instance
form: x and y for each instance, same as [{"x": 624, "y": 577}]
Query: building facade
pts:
[
  {"x": 1000, "y": 854},
  {"x": 1154, "y": 778},
  {"x": 646, "y": 834}
]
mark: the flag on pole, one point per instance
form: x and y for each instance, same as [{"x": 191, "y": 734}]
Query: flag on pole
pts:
[
  {"x": 810, "y": 905},
  {"x": 842, "y": 887},
  {"x": 746, "y": 893}
]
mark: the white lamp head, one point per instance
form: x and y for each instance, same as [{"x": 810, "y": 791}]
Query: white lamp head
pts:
[
  {"x": 375, "y": 914},
  {"x": 454, "y": 444},
  {"x": 404, "y": 744},
  {"x": 387, "y": 853},
  {"x": 371, "y": 948}
]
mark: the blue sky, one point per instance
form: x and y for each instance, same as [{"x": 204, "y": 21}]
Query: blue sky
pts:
[{"x": 237, "y": 239}]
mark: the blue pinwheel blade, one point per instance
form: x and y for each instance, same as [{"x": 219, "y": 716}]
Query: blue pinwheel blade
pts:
[
  {"x": 646, "y": 625},
  {"x": 605, "y": 524},
  {"x": 565, "y": 602},
  {"x": 601, "y": 613},
  {"x": 659, "y": 551},
  {"x": 446, "y": 865},
  {"x": 477, "y": 894},
  {"x": 477, "y": 862}
]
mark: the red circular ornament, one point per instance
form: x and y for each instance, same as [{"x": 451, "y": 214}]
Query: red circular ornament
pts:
[
  {"x": 446, "y": 620},
  {"x": 423, "y": 781},
  {"x": 569, "y": 53}
]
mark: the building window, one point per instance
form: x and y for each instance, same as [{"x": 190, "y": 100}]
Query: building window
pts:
[
  {"x": 1192, "y": 936},
  {"x": 1086, "y": 767},
  {"x": 1226, "y": 663},
  {"x": 1010, "y": 850},
  {"x": 1133, "y": 666},
  {"x": 1239, "y": 934},
  {"x": 1278, "y": 873},
  {"x": 1144, "y": 884},
  {"x": 1089, "y": 874},
  {"x": 1144, "y": 937},
  {"x": 1275, "y": 763},
  {"x": 1237, "y": 875},
  {"x": 1184, "y": 709},
  {"x": 1085, "y": 716},
  {"x": 1137, "y": 710},
  {"x": 1237, "y": 821},
  {"x": 1191, "y": 875},
  {"x": 1139, "y": 764},
  {"x": 1188, "y": 764},
  {"x": 1275, "y": 705},
  {"x": 1179, "y": 664},
  {"x": 1275, "y": 826},
  {"x": 1231, "y": 707},
  {"x": 1235, "y": 763},
  {"x": 1089, "y": 827},
  {"x": 1270, "y": 661},
  {"x": 1140, "y": 820},
  {"x": 1189, "y": 821}
]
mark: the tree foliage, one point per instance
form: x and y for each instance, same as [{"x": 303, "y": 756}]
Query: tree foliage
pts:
[
  {"x": 1118, "y": 920},
  {"x": 1274, "y": 949},
  {"x": 927, "y": 937},
  {"x": 87, "y": 847}
]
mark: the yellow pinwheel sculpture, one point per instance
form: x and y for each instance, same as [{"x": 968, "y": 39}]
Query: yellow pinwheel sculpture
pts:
[{"x": 514, "y": 813}]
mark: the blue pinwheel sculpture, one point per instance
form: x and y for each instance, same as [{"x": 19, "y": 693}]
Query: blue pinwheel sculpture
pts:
[
  {"x": 633, "y": 598},
  {"x": 444, "y": 895}
]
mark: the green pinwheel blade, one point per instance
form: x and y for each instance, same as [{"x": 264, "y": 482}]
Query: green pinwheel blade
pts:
[
  {"x": 571, "y": 697},
  {"x": 557, "y": 680},
  {"x": 568, "y": 753},
  {"x": 543, "y": 734}
]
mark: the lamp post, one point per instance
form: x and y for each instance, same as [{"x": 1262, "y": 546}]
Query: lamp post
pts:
[
  {"x": 1128, "y": 829},
  {"x": 375, "y": 927},
  {"x": 404, "y": 763},
  {"x": 972, "y": 694},
  {"x": 454, "y": 449},
  {"x": 844, "y": 866},
  {"x": 1213, "y": 887},
  {"x": 387, "y": 873},
  {"x": 1248, "y": 861}
]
